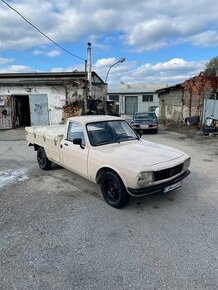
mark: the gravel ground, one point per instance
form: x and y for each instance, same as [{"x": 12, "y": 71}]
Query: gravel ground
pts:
[{"x": 56, "y": 231}]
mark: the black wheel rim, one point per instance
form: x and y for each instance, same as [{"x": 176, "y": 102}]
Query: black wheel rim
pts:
[
  {"x": 112, "y": 191},
  {"x": 41, "y": 158}
]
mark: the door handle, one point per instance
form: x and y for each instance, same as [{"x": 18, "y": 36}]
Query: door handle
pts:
[{"x": 65, "y": 144}]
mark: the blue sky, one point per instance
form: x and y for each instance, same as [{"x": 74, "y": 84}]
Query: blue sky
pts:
[{"x": 162, "y": 41}]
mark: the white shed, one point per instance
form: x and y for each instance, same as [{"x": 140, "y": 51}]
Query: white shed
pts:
[
  {"x": 131, "y": 98},
  {"x": 33, "y": 99}
]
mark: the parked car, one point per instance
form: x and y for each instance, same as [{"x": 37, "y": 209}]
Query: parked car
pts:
[
  {"x": 107, "y": 151},
  {"x": 146, "y": 121}
]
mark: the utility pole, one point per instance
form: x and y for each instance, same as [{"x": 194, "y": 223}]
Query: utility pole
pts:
[{"x": 89, "y": 69}]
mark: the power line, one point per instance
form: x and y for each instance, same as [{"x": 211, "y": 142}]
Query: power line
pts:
[{"x": 41, "y": 32}]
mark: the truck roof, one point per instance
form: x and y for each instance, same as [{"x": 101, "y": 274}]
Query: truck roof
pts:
[{"x": 94, "y": 118}]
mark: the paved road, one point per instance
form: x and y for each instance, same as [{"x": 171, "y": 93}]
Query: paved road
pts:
[{"x": 56, "y": 232}]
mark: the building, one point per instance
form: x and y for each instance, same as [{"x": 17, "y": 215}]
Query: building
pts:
[
  {"x": 135, "y": 98},
  {"x": 33, "y": 99},
  {"x": 194, "y": 97}
]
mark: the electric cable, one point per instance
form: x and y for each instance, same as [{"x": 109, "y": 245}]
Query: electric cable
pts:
[{"x": 41, "y": 32}]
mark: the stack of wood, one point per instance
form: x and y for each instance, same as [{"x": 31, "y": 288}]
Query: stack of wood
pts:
[{"x": 73, "y": 109}]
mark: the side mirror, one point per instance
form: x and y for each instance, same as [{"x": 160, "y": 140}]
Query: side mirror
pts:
[{"x": 78, "y": 141}]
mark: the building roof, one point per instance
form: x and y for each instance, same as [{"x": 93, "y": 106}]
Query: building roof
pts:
[
  {"x": 171, "y": 88},
  {"x": 44, "y": 77},
  {"x": 136, "y": 88}
]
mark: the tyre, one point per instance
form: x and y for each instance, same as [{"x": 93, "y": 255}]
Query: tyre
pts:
[
  {"x": 42, "y": 159},
  {"x": 113, "y": 190},
  {"x": 208, "y": 129},
  {"x": 155, "y": 131}
]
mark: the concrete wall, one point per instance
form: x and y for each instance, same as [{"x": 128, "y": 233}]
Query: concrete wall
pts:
[
  {"x": 171, "y": 106},
  {"x": 57, "y": 96},
  {"x": 182, "y": 101}
]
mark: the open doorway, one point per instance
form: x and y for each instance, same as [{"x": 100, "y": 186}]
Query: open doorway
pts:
[{"x": 21, "y": 111}]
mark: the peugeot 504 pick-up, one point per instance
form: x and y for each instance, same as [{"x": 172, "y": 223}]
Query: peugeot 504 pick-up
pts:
[{"x": 107, "y": 151}]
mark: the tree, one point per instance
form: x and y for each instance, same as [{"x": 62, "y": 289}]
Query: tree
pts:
[{"x": 212, "y": 64}]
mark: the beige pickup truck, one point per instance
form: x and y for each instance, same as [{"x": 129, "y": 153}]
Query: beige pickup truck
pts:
[{"x": 106, "y": 150}]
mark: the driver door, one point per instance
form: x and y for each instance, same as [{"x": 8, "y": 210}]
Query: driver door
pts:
[{"x": 75, "y": 157}]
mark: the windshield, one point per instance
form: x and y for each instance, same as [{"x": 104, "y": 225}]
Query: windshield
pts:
[
  {"x": 107, "y": 132},
  {"x": 147, "y": 116}
]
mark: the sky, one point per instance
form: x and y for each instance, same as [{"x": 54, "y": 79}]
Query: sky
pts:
[{"x": 162, "y": 41}]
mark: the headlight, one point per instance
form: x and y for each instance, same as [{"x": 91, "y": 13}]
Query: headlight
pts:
[
  {"x": 186, "y": 164},
  {"x": 145, "y": 178}
]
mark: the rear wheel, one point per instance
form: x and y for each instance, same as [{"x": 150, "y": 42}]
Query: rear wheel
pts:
[
  {"x": 42, "y": 159},
  {"x": 113, "y": 190}
]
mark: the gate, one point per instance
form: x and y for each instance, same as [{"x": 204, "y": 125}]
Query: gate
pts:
[
  {"x": 38, "y": 110},
  {"x": 131, "y": 104},
  {"x": 210, "y": 109}
]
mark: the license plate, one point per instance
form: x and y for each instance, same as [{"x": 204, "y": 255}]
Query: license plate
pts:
[
  {"x": 144, "y": 126},
  {"x": 172, "y": 187}
]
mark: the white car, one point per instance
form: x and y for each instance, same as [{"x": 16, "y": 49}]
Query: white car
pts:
[{"x": 106, "y": 150}]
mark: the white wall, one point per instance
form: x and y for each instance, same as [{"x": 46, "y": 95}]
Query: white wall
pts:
[
  {"x": 56, "y": 97},
  {"x": 142, "y": 106}
]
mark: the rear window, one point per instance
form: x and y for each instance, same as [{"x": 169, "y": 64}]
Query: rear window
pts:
[{"x": 148, "y": 116}]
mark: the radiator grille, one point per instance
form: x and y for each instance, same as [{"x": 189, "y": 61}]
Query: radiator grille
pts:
[{"x": 167, "y": 173}]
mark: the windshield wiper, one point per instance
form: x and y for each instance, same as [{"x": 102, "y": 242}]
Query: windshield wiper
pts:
[
  {"x": 128, "y": 138},
  {"x": 102, "y": 143}
]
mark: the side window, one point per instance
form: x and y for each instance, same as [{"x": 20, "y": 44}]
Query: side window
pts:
[
  {"x": 75, "y": 130},
  {"x": 147, "y": 98}
]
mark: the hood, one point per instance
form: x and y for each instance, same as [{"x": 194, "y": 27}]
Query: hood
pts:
[{"x": 144, "y": 152}]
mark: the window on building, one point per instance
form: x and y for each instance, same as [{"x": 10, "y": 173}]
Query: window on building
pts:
[
  {"x": 114, "y": 98},
  {"x": 147, "y": 98}
]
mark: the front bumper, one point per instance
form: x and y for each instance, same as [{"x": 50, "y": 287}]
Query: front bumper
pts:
[{"x": 158, "y": 187}]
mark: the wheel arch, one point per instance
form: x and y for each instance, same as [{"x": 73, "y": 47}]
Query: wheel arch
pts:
[
  {"x": 36, "y": 147},
  {"x": 101, "y": 172}
]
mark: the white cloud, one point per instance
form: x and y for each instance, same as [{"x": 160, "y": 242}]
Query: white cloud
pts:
[
  {"x": 172, "y": 71},
  {"x": 146, "y": 25},
  {"x": 16, "y": 69},
  {"x": 105, "y": 62},
  {"x": 4, "y": 60},
  {"x": 52, "y": 53},
  {"x": 207, "y": 38}
]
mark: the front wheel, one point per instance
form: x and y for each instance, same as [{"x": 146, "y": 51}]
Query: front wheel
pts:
[
  {"x": 113, "y": 190},
  {"x": 42, "y": 159}
]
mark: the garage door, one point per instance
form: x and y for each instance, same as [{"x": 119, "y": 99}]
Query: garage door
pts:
[
  {"x": 210, "y": 109},
  {"x": 38, "y": 110},
  {"x": 131, "y": 104}
]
